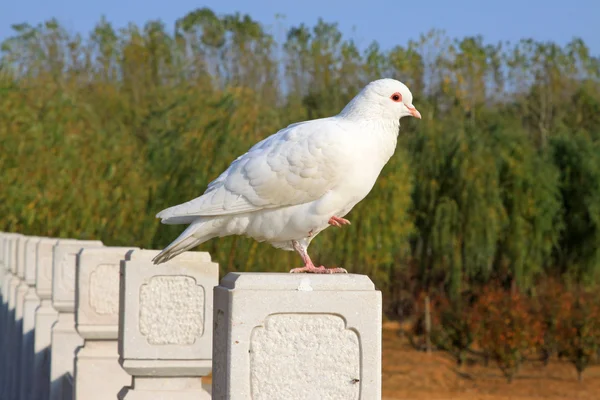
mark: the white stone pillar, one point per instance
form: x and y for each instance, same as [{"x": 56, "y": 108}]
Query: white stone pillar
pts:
[
  {"x": 3, "y": 273},
  {"x": 8, "y": 389},
  {"x": 45, "y": 317},
  {"x": 2, "y": 295},
  {"x": 20, "y": 292},
  {"x": 5, "y": 277},
  {"x": 165, "y": 329},
  {"x": 30, "y": 303},
  {"x": 98, "y": 374},
  {"x": 65, "y": 339},
  {"x": 296, "y": 336}
]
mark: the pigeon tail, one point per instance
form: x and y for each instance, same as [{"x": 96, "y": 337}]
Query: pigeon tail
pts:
[{"x": 190, "y": 238}]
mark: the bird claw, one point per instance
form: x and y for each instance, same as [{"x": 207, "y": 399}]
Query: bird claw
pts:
[
  {"x": 311, "y": 269},
  {"x": 337, "y": 221}
]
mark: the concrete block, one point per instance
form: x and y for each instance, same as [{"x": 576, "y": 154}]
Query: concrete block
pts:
[
  {"x": 165, "y": 330},
  {"x": 31, "y": 259},
  {"x": 296, "y": 336},
  {"x": 97, "y": 294},
  {"x": 65, "y": 339},
  {"x": 9, "y": 283},
  {"x": 165, "y": 388},
  {"x": 64, "y": 262},
  {"x": 98, "y": 374},
  {"x": 13, "y": 324},
  {"x": 45, "y": 317},
  {"x": 30, "y": 303},
  {"x": 18, "y": 335}
]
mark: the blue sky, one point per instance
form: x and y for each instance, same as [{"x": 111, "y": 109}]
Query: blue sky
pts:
[{"x": 389, "y": 22}]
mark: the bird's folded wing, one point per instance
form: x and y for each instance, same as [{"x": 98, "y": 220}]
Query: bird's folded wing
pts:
[{"x": 297, "y": 165}]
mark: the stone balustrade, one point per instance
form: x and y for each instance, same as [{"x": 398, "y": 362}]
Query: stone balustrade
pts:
[
  {"x": 31, "y": 302},
  {"x": 165, "y": 322},
  {"x": 11, "y": 339},
  {"x": 81, "y": 320},
  {"x": 97, "y": 322},
  {"x": 65, "y": 339}
]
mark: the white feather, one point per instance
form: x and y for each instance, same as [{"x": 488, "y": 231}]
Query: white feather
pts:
[{"x": 289, "y": 185}]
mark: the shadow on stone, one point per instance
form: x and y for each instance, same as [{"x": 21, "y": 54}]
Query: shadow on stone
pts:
[
  {"x": 27, "y": 359},
  {"x": 62, "y": 387},
  {"x": 41, "y": 382}
]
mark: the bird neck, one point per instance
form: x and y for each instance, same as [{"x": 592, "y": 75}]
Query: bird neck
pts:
[
  {"x": 371, "y": 114},
  {"x": 378, "y": 138},
  {"x": 386, "y": 135}
]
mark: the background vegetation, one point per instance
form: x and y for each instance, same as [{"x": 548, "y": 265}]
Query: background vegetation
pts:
[{"x": 499, "y": 182}]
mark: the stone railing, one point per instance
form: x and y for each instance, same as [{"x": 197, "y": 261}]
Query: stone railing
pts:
[{"x": 80, "y": 320}]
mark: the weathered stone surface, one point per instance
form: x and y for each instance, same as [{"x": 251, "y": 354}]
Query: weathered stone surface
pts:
[
  {"x": 17, "y": 338},
  {"x": 65, "y": 342},
  {"x": 45, "y": 317},
  {"x": 30, "y": 303},
  {"x": 165, "y": 388},
  {"x": 43, "y": 274},
  {"x": 97, "y": 294},
  {"x": 104, "y": 289},
  {"x": 64, "y": 262},
  {"x": 287, "y": 358},
  {"x": 9, "y": 334},
  {"x": 165, "y": 314},
  {"x": 97, "y": 319},
  {"x": 21, "y": 242},
  {"x": 171, "y": 310},
  {"x": 3, "y": 268},
  {"x": 20, "y": 291},
  {"x": 65, "y": 339},
  {"x": 31, "y": 260},
  {"x": 12, "y": 252},
  {"x": 98, "y": 375},
  {"x": 12, "y": 293},
  {"x": 288, "y": 336},
  {"x": 8, "y": 260},
  {"x": 15, "y": 318}
]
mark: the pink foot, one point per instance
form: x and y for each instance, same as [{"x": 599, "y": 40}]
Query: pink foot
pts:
[
  {"x": 337, "y": 221},
  {"x": 311, "y": 269}
]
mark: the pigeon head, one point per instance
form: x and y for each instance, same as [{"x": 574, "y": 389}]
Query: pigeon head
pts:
[{"x": 383, "y": 98}]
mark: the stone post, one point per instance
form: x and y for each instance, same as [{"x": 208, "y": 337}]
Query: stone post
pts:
[
  {"x": 65, "y": 339},
  {"x": 4, "y": 279},
  {"x": 17, "y": 342},
  {"x": 30, "y": 303},
  {"x": 2, "y": 270},
  {"x": 45, "y": 317},
  {"x": 288, "y": 336},
  {"x": 2, "y": 275},
  {"x": 98, "y": 374},
  {"x": 165, "y": 329},
  {"x": 10, "y": 331}
]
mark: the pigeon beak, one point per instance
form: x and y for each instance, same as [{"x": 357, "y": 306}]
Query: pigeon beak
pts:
[{"x": 414, "y": 112}]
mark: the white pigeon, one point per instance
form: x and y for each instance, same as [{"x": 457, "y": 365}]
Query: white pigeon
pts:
[{"x": 297, "y": 182}]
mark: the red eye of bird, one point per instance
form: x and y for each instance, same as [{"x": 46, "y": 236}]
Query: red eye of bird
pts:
[{"x": 397, "y": 97}]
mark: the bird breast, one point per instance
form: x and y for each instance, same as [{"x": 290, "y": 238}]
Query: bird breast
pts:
[{"x": 364, "y": 153}]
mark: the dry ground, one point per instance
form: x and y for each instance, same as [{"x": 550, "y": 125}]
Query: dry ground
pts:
[{"x": 410, "y": 374}]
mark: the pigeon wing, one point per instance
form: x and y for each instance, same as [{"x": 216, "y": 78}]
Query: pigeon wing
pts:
[{"x": 296, "y": 165}]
